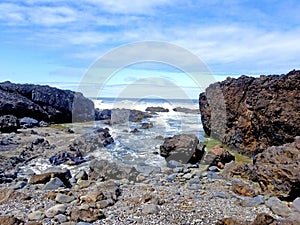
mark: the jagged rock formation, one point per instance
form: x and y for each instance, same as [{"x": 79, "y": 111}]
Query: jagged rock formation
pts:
[
  {"x": 44, "y": 103},
  {"x": 250, "y": 114}
]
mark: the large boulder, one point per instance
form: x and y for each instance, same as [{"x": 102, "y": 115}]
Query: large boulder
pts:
[
  {"x": 184, "y": 148},
  {"x": 250, "y": 114},
  {"x": 276, "y": 170},
  {"x": 44, "y": 103}
]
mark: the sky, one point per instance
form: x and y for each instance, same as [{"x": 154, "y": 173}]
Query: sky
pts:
[{"x": 57, "y": 42}]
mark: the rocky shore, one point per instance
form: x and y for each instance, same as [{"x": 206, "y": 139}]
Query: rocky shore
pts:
[{"x": 51, "y": 174}]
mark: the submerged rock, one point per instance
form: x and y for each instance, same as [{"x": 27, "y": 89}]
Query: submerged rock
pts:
[{"x": 156, "y": 109}]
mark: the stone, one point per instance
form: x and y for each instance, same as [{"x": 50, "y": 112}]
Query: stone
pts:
[
  {"x": 63, "y": 174},
  {"x": 85, "y": 213},
  {"x": 251, "y": 114},
  {"x": 186, "y": 110},
  {"x": 36, "y": 215},
  {"x": 81, "y": 175},
  {"x": 156, "y": 109},
  {"x": 184, "y": 148},
  {"x": 174, "y": 164},
  {"x": 296, "y": 204},
  {"x": 53, "y": 184},
  {"x": 28, "y": 122},
  {"x": 194, "y": 187},
  {"x": 146, "y": 125},
  {"x": 149, "y": 209},
  {"x": 7, "y": 195},
  {"x": 278, "y": 207},
  {"x": 242, "y": 189},
  {"x": 217, "y": 157},
  {"x": 55, "y": 210},
  {"x": 45, "y": 103},
  {"x": 62, "y": 198},
  {"x": 187, "y": 176},
  {"x": 10, "y": 220},
  {"x": 61, "y": 218},
  {"x": 8, "y": 123},
  {"x": 19, "y": 185}
]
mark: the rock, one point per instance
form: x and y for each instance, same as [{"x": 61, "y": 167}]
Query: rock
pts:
[
  {"x": 67, "y": 157},
  {"x": 250, "y": 114},
  {"x": 186, "y": 110},
  {"x": 146, "y": 125},
  {"x": 55, "y": 210},
  {"x": 28, "y": 122},
  {"x": 36, "y": 215},
  {"x": 19, "y": 185},
  {"x": 156, "y": 109},
  {"x": 53, "y": 184},
  {"x": 10, "y": 220},
  {"x": 61, "y": 218},
  {"x": 252, "y": 202},
  {"x": 102, "y": 114},
  {"x": 62, "y": 198},
  {"x": 81, "y": 175},
  {"x": 149, "y": 209},
  {"x": 7, "y": 195},
  {"x": 183, "y": 148},
  {"x": 137, "y": 116},
  {"x": 8, "y": 123},
  {"x": 195, "y": 187},
  {"x": 278, "y": 207},
  {"x": 241, "y": 188},
  {"x": 174, "y": 164},
  {"x": 296, "y": 204},
  {"x": 276, "y": 170},
  {"x": 263, "y": 219},
  {"x": 86, "y": 213},
  {"x": 63, "y": 174},
  {"x": 217, "y": 156},
  {"x": 44, "y": 103},
  {"x": 111, "y": 170}
]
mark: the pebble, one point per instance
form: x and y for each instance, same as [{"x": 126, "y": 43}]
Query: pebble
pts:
[
  {"x": 150, "y": 209},
  {"x": 187, "y": 176},
  {"x": 171, "y": 177},
  {"x": 174, "y": 164},
  {"x": 220, "y": 195},
  {"x": 55, "y": 210},
  {"x": 36, "y": 215},
  {"x": 194, "y": 187},
  {"x": 195, "y": 180}
]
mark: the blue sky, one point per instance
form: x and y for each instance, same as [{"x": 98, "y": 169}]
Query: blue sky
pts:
[{"x": 55, "y": 42}]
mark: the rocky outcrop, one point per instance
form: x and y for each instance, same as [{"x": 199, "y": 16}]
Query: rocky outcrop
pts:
[
  {"x": 154, "y": 109},
  {"x": 9, "y": 123},
  {"x": 184, "y": 148},
  {"x": 44, "y": 103},
  {"x": 276, "y": 170},
  {"x": 250, "y": 114}
]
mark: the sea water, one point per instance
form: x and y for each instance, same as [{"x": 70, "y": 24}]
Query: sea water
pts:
[{"x": 142, "y": 148}]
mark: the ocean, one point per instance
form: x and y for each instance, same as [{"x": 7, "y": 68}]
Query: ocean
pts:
[{"x": 141, "y": 148}]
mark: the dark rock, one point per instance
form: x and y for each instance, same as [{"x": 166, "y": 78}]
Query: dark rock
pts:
[
  {"x": 146, "y": 125},
  {"x": 102, "y": 114},
  {"x": 134, "y": 131},
  {"x": 186, "y": 110},
  {"x": 44, "y": 103},
  {"x": 53, "y": 184},
  {"x": 63, "y": 174},
  {"x": 8, "y": 123},
  {"x": 250, "y": 114},
  {"x": 27, "y": 122},
  {"x": 63, "y": 157},
  {"x": 184, "y": 148},
  {"x": 137, "y": 116},
  {"x": 217, "y": 156},
  {"x": 156, "y": 109}
]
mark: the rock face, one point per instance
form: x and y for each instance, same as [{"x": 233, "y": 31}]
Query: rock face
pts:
[
  {"x": 250, "y": 114},
  {"x": 184, "y": 148},
  {"x": 44, "y": 103}
]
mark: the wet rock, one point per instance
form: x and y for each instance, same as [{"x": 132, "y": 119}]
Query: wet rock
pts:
[
  {"x": 146, "y": 125},
  {"x": 28, "y": 122},
  {"x": 156, "y": 109},
  {"x": 218, "y": 156},
  {"x": 134, "y": 131},
  {"x": 184, "y": 148},
  {"x": 104, "y": 114},
  {"x": 55, "y": 210},
  {"x": 8, "y": 123},
  {"x": 250, "y": 114},
  {"x": 186, "y": 110},
  {"x": 67, "y": 157},
  {"x": 137, "y": 116}
]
